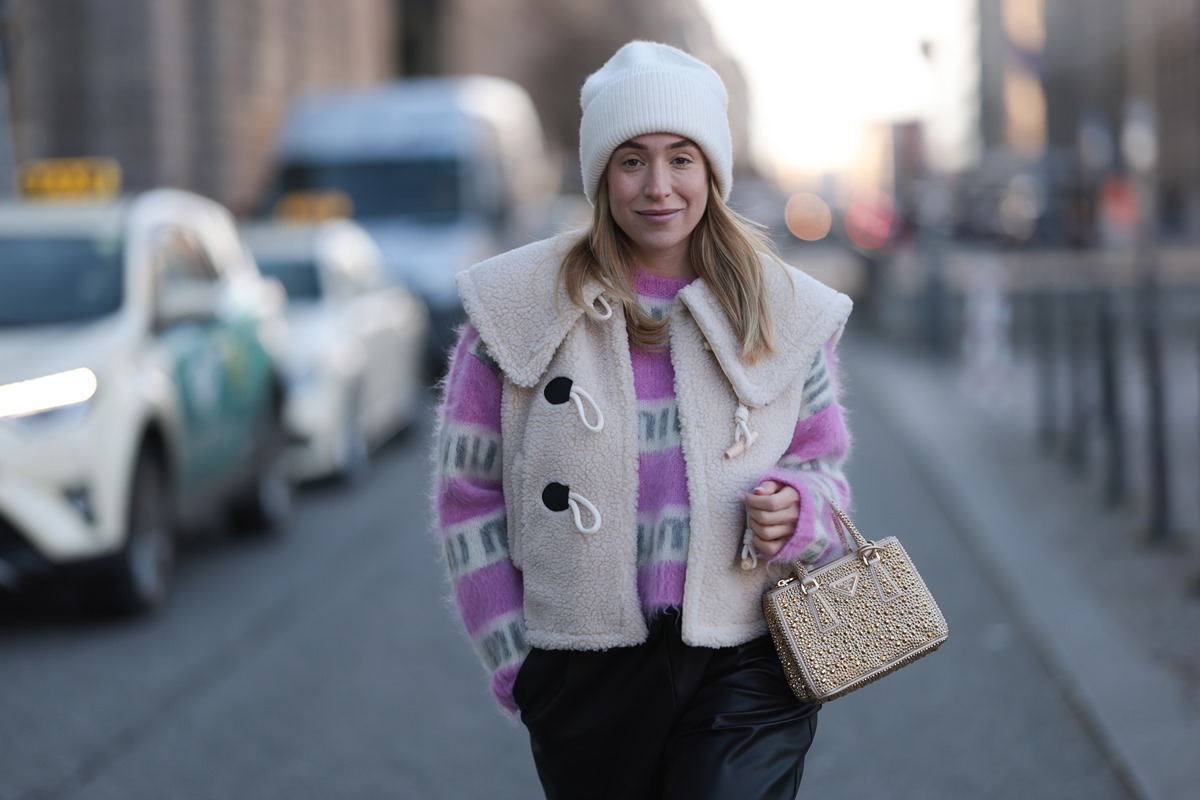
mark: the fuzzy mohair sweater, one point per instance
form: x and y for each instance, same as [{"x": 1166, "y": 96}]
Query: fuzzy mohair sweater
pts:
[{"x": 523, "y": 463}]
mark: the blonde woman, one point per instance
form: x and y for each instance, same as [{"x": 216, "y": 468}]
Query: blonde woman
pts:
[{"x": 640, "y": 429}]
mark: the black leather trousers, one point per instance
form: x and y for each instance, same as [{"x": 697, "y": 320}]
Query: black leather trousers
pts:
[{"x": 664, "y": 720}]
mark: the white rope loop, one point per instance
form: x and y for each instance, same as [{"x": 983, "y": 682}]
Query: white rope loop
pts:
[
  {"x": 575, "y": 500},
  {"x": 743, "y": 437},
  {"x": 608, "y": 312},
  {"x": 579, "y": 394},
  {"x": 742, "y": 425},
  {"x": 749, "y": 554}
]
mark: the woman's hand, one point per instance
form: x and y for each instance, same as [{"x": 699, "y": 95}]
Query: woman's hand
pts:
[{"x": 772, "y": 510}]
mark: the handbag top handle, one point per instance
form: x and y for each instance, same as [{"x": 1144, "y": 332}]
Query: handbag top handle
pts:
[{"x": 864, "y": 548}]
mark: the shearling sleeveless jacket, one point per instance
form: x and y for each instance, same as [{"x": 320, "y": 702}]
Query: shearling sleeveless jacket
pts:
[{"x": 571, "y": 489}]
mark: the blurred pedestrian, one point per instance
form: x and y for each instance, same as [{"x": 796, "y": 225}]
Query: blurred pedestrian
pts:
[{"x": 640, "y": 429}]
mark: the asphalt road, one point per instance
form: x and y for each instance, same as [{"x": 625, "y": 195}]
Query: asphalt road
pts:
[{"x": 325, "y": 663}]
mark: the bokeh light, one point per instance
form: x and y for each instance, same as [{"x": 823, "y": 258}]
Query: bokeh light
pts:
[
  {"x": 870, "y": 216},
  {"x": 808, "y": 217}
]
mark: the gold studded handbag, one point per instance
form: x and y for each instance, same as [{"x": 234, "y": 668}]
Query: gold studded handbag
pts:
[{"x": 854, "y": 620}]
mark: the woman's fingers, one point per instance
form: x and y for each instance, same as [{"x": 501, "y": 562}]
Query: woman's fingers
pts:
[
  {"x": 766, "y": 518},
  {"x": 772, "y": 510},
  {"x": 778, "y": 508},
  {"x": 771, "y": 541}
]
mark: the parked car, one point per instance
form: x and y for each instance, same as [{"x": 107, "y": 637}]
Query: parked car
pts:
[
  {"x": 442, "y": 171},
  {"x": 355, "y": 354},
  {"x": 140, "y": 388}
]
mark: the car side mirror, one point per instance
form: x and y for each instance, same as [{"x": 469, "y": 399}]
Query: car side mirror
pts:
[
  {"x": 274, "y": 295},
  {"x": 187, "y": 302}
]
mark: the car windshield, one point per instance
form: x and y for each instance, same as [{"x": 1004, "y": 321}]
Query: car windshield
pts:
[
  {"x": 298, "y": 276},
  {"x": 51, "y": 280},
  {"x": 423, "y": 190}
]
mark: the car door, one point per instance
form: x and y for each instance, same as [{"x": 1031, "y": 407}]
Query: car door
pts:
[
  {"x": 250, "y": 307},
  {"x": 187, "y": 304}
]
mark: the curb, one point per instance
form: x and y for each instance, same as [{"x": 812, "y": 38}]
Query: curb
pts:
[{"x": 1136, "y": 713}]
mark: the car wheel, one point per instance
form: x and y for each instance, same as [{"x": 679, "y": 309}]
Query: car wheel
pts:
[
  {"x": 266, "y": 503},
  {"x": 139, "y": 580}
]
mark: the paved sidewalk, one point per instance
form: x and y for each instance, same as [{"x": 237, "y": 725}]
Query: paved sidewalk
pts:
[{"x": 1117, "y": 622}]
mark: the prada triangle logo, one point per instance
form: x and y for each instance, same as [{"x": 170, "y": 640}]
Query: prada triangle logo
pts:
[{"x": 846, "y": 586}]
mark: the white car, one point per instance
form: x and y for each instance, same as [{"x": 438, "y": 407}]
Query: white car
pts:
[
  {"x": 140, "y": 388},
  {"x": 355, "y": 360}
]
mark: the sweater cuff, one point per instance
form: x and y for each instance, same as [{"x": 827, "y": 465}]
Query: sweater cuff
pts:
[
  {"x": 502, "y": 688},
  {"x": 810, "y": 539}
]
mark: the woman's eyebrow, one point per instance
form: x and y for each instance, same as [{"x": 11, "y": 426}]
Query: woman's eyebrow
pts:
[{"x": 673, "y": 146}]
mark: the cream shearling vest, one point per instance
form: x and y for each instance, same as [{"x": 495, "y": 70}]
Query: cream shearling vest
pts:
[{"x": 581, "y": 588}]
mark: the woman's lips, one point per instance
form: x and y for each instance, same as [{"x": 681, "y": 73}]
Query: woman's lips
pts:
[{"x": 660, "y": 215}]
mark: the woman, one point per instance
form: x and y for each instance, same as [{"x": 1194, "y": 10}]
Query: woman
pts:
[{"x": 640, "y": 431}]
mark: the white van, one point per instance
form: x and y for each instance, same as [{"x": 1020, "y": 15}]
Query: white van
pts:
[{"x": 442, "y": 171}]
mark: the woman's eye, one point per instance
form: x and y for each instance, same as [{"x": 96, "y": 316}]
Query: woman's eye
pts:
[
  {"x": 631, "y": 162},
  {"x": 682, "y": 161}
]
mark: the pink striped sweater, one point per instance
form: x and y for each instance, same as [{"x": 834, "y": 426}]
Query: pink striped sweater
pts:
[{"x": 470, "y": 499}]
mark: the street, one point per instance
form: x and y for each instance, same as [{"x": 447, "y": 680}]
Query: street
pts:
[{"x": 326, "y": 663}]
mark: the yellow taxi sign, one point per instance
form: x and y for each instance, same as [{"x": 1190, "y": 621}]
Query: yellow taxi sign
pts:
[
  {"x": 69, "y": 178},
  {"x": 313, "y": 206}
]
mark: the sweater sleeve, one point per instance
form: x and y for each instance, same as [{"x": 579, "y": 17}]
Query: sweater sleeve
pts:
[
  {"x": 813, "y": 465},
  {"x": 471, "y": 519}
]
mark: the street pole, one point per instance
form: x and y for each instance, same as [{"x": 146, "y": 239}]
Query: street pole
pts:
[
  {"x": 1139, "y": 144},
  {"x": 1075, "y": 305},
  {"x": 933, "y": 228},
  {"x": 1096, "y": 162},
  {"x": 1111, "y": 422},
  {"x": 1044, "y": 320},
  {"x": 8, "y": 161}
]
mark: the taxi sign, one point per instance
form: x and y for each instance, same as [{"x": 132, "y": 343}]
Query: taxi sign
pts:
[
  {"x": 313, "y": 206},
  {"x": 69, "y": 179}
]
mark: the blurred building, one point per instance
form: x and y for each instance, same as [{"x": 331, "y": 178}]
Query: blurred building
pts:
[
  {"x": 1084, "y": 71},
  {"x": 184, "y": 93},
  {"x": 916, "y": 155},
  {"x": 550, "y": 47},
  {"x": 1088, "y": 80},
  {"x": 190, "y": 93}
]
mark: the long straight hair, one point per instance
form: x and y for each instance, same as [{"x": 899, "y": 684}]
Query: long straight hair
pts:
[{"x": 724, "y": 250}]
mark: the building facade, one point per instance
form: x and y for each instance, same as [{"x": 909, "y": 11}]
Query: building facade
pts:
[
  {"x": 1102, "y": 53},
  {"x": 190, "y": 93},
  {"x": 185, "y": 93}
]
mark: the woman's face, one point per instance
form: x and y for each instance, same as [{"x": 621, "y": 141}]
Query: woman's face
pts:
[{"x": 657, "y": 193}]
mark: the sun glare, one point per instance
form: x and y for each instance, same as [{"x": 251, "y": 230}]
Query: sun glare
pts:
[{"x": 820, "y": 74}]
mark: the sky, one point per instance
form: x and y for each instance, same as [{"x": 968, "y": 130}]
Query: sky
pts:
[{"x": 819, "y": 69}]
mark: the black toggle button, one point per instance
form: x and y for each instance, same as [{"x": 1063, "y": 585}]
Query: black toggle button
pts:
[
  {"x": 558, "y": 391},
  {"x": 554, "y": 496}
]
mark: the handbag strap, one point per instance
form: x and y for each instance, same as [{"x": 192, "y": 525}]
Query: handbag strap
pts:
[{"x": 842, "y": 521}]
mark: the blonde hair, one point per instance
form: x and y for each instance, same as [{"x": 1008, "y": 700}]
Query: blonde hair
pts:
[{"x": 724, "y": 250}]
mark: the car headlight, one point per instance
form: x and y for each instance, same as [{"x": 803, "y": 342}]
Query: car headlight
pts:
[{"x": 63, "y": 393}]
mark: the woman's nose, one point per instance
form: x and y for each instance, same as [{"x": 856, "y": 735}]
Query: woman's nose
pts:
[{"x": 658, "y": 181}]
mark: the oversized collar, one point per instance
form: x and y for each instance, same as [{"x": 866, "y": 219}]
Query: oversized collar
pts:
[
  {"x": 806, "y": 314},
  {"x": 522, "y": 312}
]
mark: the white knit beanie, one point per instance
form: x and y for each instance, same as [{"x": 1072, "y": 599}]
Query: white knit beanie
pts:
[{"x": 647, "y": 87}]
